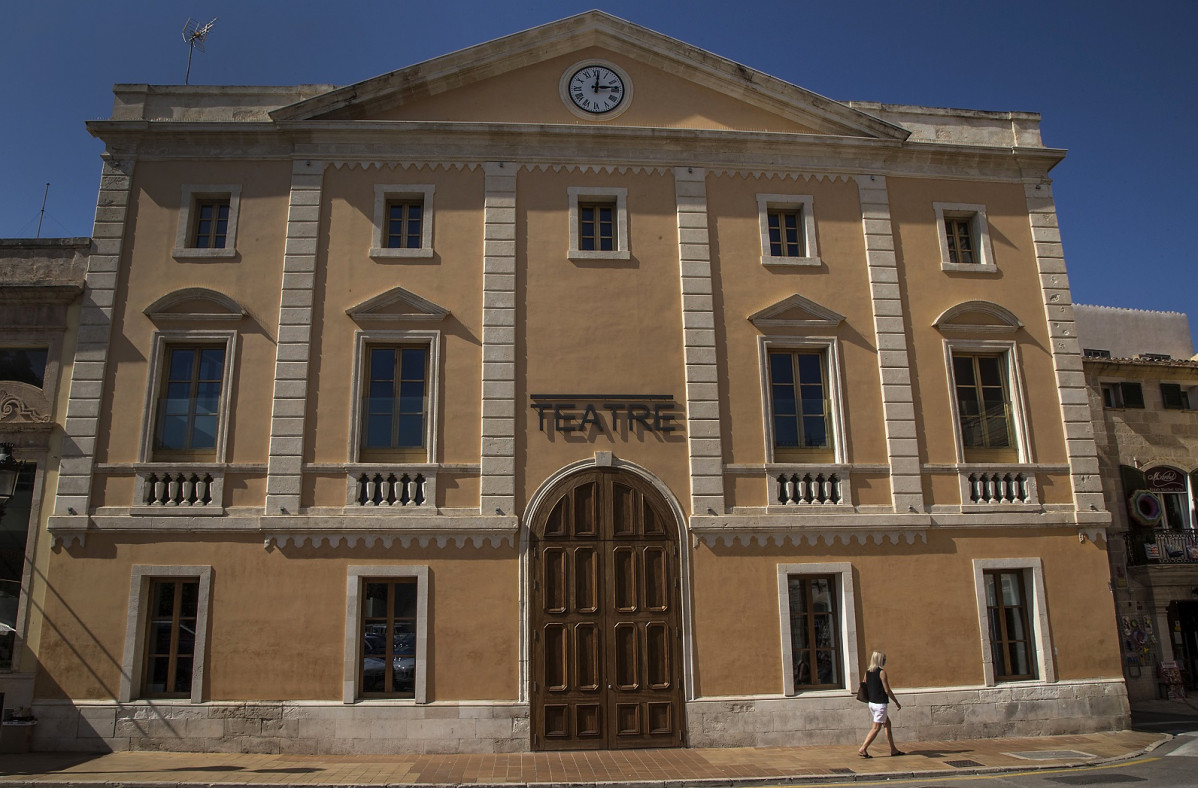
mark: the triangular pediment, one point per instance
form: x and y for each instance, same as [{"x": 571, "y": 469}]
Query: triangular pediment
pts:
[
  {"x": 517, "y": 79},
  {"x": 978, "y": 317},
  {"x": 195, "y": 303},
  {"x": 397, "y": 306},
  {"x": 796, "y": 312}
]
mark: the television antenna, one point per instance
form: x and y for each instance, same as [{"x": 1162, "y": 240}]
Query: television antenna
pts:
[{"x": 194, "y": 34}]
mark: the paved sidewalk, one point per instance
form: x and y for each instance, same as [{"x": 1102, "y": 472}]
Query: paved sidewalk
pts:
[{"x": 700, "y": 767}]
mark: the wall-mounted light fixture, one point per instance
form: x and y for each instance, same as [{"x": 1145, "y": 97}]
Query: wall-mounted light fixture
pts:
[{"x": 10, "y": 470}]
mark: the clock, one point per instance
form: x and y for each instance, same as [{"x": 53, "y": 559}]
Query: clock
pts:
[{"x": 596, "y": 90}]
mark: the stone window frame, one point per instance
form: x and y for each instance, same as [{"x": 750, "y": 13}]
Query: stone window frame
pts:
[
  {"x": 1009, "y": 350},
  {"x": 618, "y": 196},
  {"x": 979, "y": 226},
  {"x": 830, "y": 347},
  {"x": 363, "y": 338},
  {"x": 385, "y": 193},
  {"x": 133, "y": 658},
  {"x": 805, "y": 204},
  {"x": 355, "y": 577},
  {"x": 847, "y": 596},
  {"x": 161, "y": 340},
  {"x": 1033, "y": 570},
  {"x": 192, "y": 192}
]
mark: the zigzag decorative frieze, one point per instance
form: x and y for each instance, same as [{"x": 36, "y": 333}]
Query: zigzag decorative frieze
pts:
[
  {"x": 404, "y": 541},
  {"x": 596, "y": 169},
  {"x": 418, "y": 166},
  {"x": 774, "y": 175},
  {"x": 829, "y": 538}
]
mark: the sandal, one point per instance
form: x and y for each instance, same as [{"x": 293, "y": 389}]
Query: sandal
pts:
[
  {"x": 863, "y": 754},
  {"x": 897, "y": 752}
]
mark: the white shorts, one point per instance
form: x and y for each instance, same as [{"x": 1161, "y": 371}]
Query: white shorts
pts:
[{"x": 879, "y": 711}]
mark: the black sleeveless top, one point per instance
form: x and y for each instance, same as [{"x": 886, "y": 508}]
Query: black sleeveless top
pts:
[{"x": 873, "y": 687}]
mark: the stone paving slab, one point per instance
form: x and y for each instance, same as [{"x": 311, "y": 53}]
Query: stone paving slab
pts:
[{"x": 702, "y": 768}]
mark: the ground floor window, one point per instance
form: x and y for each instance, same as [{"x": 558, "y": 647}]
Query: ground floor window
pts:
[
  {"x": 389, "y": 638},
  {"x": 386, "y": 626},
  {"x": 171, "y": 639},
  {"x": 1010, "y": 634},
  {"x": 166, "y": 632},
  {"x": 817, "y": 615},
  {"x": 814, "y": 635},
  {"x": 1013, "y": 617}
]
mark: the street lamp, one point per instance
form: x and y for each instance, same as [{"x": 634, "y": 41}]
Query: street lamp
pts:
[{"x": 10, "y": 469}]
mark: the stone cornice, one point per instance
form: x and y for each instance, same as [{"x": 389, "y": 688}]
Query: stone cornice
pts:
[{"x": 536, "y": 144}]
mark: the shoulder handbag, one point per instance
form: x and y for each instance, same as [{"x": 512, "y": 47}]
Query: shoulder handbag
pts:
[{"x": 862, "y": 695}]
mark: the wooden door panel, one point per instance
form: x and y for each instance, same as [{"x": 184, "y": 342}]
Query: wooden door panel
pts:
[{"x": 605, "y": 619}]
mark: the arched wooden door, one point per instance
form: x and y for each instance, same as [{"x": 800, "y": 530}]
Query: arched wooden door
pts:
[{"x": 606, "y": 636}]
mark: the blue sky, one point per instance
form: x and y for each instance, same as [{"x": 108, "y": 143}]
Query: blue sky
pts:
[{"x": 1116, "y": 83}]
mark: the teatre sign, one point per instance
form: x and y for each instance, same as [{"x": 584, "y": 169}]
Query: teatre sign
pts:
[{"x": 607, "y": 413}]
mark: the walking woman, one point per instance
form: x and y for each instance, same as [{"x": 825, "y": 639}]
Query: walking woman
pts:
[{"x": 877, "y": 688}]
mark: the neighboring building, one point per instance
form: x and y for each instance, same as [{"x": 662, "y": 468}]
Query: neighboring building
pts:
[
  {"x": 578, "y": 389},
  {"x": 1143, "y": 381},
  {"x": 40, "y": 284}
]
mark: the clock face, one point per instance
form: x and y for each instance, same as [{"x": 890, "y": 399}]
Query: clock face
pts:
[{"x": 596, "y": 89}]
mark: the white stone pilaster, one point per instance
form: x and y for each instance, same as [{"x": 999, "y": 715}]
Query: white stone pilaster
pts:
[
  {"x": 704, "y": 444},
  {"x": 1066, "y": 350},
  {"x": 498, "y": 455},
  {"x": 95, "y": 327},
  {"x": 898, "y": 402},
  {"x": 284, "y": 470}
]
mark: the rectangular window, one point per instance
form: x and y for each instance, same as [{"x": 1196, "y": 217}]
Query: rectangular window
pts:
[
  {"x": 1174, "y": 397},
  {"x": 1011, "y": 640},
  {"x": 983, "y": 406},
  {"x": 23, "y": 365},
  {"x": 1095, "y": 353},
  {"x": 389, "y": 634},
  {"x": 171, "y": 638},
  {"x": 787, "y": 224},
  {"x": 405, "y": 219},
  {"x": 786, "y": 236},
  {"x": 960, "y": 240},
  {"x": 395, "y": 408},
  {"x": 1122, "y": 395},
  {"x": 596, "y": 227},
  {"x": 386, "y": 633},
  {"x": 211, "y": 226},
  {"x": 207, "y": 228},
  {"x": 799, "y": 405},
  {"x": 598, "y": 223},
  {"x": 815, "y": 643},
  {"x": 189, "y": 401},
  {"x": 964, "y": 233}
]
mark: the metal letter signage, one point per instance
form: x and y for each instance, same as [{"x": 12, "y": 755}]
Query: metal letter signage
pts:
[{"x": 610, "y": 414}]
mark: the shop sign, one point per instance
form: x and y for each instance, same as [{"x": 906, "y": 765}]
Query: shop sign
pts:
[
  {"x": 1165, "y": 480},
  {"x": 607, "y": 413}
]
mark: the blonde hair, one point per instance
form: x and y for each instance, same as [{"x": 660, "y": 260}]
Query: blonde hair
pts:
[{"x": 877, "y": 660}]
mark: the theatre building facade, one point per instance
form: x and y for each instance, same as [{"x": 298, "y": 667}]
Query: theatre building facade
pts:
[{"x": 581, "y": 389}]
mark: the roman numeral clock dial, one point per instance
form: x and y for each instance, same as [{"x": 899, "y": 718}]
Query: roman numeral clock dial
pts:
[{"x": 596, "y": 90}]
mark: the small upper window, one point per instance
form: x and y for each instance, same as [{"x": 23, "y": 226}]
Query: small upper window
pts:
[
  {"x": 403, "y": 221},
  {"x": 208, "y": 222},
  {"x": 787, "y": 230},
  {"x": 598, "y": 223},
  {"x": 23, "y": 365},
  {"x": 1095, "y": 353},
  {"x": 964, "y": 233},
  {"x": 1174, "y": 397},
  {"x": 211, "y": 224},
  {"x": 1122, "y": 395}
]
